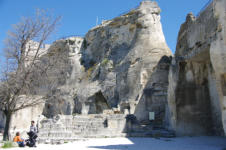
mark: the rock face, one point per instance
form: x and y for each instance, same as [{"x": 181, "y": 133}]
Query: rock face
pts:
[
  {"x": 64, "y": 76},
  {"x": 122, "y": 64},
  {"x": 126, "y": 64},
  {"x": 196, "y": 94}
]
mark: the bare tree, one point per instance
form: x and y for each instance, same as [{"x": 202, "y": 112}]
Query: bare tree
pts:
[{"x": 23, "y": 57}]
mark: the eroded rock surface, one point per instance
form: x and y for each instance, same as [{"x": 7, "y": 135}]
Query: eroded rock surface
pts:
[
  {"x": 63, "y": 77},
  {"x": 122, "y": 65},
  {"x": 126, "y": 62},
  {"x": 197, "y": 77}
]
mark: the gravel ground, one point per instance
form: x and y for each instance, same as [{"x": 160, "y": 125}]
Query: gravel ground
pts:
[{"x": 180, "y": 143}]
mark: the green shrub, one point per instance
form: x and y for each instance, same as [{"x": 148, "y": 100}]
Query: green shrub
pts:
[
  {"x": 104, "y": 62},
  {"x": 139, "y": 25},
  {"x": 90, "y": 70},
  {"x": 8, "y": 144},
  {"x": 132, "y": 27},
  {"x": 217, "y": 16}
]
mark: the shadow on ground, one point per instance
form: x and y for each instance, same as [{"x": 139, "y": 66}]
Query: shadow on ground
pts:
[{"x": 182, "y": 143}]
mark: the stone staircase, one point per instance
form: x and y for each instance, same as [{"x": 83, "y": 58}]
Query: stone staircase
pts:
[
  {"x": 71, "y": 128},
  {"x": 146, "y": 128},
  {"x": 145, "y": 131}
]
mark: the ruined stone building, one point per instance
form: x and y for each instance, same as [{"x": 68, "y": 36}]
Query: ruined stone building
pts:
[{"x": 111, "y": 82}]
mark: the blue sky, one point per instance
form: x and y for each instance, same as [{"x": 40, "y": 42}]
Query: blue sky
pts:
[{"x": 80, "y": 15}]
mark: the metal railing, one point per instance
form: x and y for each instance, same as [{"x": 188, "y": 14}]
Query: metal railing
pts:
[{"x": 204, "y": 7}]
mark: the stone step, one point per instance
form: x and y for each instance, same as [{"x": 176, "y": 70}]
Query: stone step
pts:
[
  {"x": 90, "y": 123},
  {"x": 72, "y": 129},
  {"x": 79, "y": 136},
  {"x": 154, "y": 133}
]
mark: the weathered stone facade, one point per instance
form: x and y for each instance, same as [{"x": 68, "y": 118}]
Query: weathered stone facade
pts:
[{"x": 196, "y": 91}]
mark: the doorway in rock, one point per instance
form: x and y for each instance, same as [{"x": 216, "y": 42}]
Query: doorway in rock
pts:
[
  {"x": 101, "y": 103},
  {"x": 193, "y": 104},
  {"x": 98, "y": 103}
]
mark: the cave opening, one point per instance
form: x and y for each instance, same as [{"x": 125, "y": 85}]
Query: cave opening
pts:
[{"x": 101, "y": 103}]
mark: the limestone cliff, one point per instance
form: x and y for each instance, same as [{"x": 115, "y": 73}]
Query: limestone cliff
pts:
[
  {"x": 63, "y": 77},
  {"x": 123, "y": 66},
  {"x": 196, "y": 94}
]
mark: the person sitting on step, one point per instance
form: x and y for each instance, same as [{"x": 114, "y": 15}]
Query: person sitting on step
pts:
[{"x": 19, "y": 140}]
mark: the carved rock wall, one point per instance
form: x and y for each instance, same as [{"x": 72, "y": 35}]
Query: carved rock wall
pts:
[{"x": 195, "y": 93}]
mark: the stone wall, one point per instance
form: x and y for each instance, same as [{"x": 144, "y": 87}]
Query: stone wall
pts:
[
  {"x": 31, "y": 49},
  {"x": 195, "y": 94},
  {"x": 21, "y": 120},
  {"x": 70, "y": 128}
]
